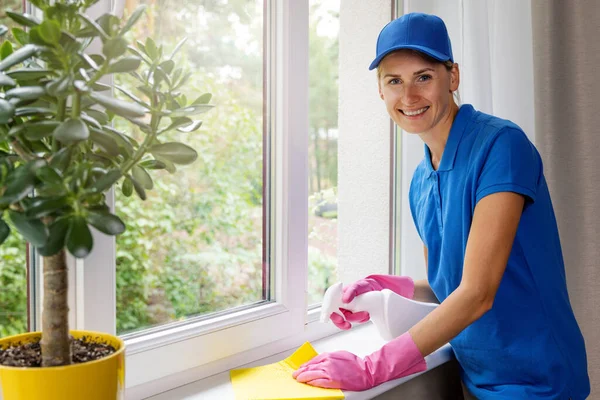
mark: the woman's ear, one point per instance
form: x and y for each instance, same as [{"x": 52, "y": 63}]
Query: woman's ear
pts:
[
  {"x": 454, "y": 78},
  {"x": 379, "y": 88}
]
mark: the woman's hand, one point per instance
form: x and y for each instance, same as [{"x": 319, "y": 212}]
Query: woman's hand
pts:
[
  {"x": 401, "y": 285},
  {"x": 344, "y": 370}
]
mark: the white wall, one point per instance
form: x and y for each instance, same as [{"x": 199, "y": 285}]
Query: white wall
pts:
[{"x": 364, "y": 145}]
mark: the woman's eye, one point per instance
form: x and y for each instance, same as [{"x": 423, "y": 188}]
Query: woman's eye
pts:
[
  {"x": 394, "y": 81},
  {"x": 423, "y": 78}
]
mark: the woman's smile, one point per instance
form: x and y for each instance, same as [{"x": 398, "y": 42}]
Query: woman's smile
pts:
[{"x": 414, "y": 113}]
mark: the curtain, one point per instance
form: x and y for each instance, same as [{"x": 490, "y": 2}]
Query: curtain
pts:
[{"x": 566, "y": 59}]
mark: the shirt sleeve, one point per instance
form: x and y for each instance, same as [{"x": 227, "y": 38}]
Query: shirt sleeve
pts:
[{"x": 512, "y": 164}]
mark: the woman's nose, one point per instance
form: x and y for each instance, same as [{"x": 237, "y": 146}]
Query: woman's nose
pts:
[{"x": 410, "y": 95}]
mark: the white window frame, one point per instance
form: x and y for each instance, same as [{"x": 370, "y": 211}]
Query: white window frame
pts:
[{"x": 190, "y": 346}]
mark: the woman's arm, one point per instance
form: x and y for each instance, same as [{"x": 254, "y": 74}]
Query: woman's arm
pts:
[
  {"x": 495, "y": 222},
  {"x": 423, "y": 291}
]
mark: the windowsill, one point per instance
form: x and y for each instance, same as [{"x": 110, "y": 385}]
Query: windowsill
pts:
[{"x": 360, "y": 340}]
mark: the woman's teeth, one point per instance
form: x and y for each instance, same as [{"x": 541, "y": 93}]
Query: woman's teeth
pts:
[{"x": 416, "y": 112}]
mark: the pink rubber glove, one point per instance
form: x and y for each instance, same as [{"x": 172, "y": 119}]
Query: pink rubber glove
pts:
[
  {"x": 343, "y": 370},
  {"x": 402, "y": 285}
]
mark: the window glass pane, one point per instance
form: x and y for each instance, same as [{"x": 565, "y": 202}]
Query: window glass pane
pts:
[
  {"x": 323, "y": 143},
  {"x": 195, "y": 245},
  {"x": 13, "y": 252}
]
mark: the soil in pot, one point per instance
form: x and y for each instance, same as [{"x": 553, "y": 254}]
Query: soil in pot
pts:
[{"x": 30, "y": 354}]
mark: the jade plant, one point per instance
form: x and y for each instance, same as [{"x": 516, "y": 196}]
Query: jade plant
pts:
[{"x": 59, "y": 150}]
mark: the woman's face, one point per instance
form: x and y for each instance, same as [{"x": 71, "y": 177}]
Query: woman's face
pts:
[{"x": 417, "y": 93}]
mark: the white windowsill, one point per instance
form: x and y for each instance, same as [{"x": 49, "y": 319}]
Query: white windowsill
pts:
[{"x": 361, "y": 341}]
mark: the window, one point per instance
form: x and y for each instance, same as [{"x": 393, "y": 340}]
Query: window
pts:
[
  {"x": 197, "y": 244},
  {"x": 254, "y": 56},
  {"x": 322, "y": 150},
  {"x": 214, "y": 272},
  {"x": 13, "y": 252}
]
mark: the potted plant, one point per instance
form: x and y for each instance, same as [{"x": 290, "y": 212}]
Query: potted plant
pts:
[{"x": 59, "y": 155}]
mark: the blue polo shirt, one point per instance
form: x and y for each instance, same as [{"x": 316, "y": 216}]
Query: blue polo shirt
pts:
[{"x": 528, "y": 346}]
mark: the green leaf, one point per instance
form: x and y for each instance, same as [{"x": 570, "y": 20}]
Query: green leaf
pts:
[
  {"x": 18, "y": 185},
  {"x": 114, "y": 47},
  {"x": 177, "y": 47},
  {"x": 176, "y": 123},
  {"x": 204, "y": 99},
  {"x": 151, "y": 49},
  {"x": 26, "y": 92},
  {"x": 109, "y": 23},
  {"x": 90, "y": 121},
  {"x": 24, "y": 19},
  {"x": 93, "y": 26},
  {"x": 99, "y": 87},
  {"x": 79, "y": 238},
  {"x": 127, "y": 187},
  {"x": 169, "y": 166},
  {"x": 3, "y": 30},
  {"x": 56, "y": 239},
  {"x": 142, "y": 176},
  {"x": 119, "y": 107},
  {"x": 61, "y": 159},
  {"x": 124, "y": 142},
  {"x": 192, "y": 110},
  {"x": 50, "y": 31},
  {"x": 135, "y": 16},
  {"x": 106, "y": 222},
  {"x": 45, "y": 206},
  {"x": 6, "y": 49},
  {"x": 20, "y": 36},
  {"x": 4, "y": 231},
  {"x": 39, "y": 130},
  {"x": 49, "y": 175},
  {"x": 133, "y": 97},
  {"x": 72, "y": 130},
  {"x": 153, "y": 164},
  {"x": 105, "y": 141},
  {"x": 7, "y": 111},
  {"x": 139, "y": 189},
  {"x": 106, "y": 182},
  {"x": 70, "y": 44},
  {"x": 35, "y": 111},
  {"x": 167, "y": 66},
  {"x": 34, "y": 231},
  {"x": 89, "y": 61},
  {"x": 25, "y": 52},
  {"x": 59, "y": 87},
  {"x": 191, "y": 127},
  {"x": 36, "y": 37},
  {"x": 29, "y": 73},
  {"x": 175, "y": 152},
  {"x": 125, "y": 64},
  {"x": 139, "y": 54},
  {"x": 99, "y": 116}
]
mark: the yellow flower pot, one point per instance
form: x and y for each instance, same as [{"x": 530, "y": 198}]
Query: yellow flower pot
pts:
[{"x": 102, "y": 379}]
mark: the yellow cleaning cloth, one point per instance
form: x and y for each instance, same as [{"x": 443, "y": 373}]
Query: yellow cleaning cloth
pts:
[{"x": 274, "y": 381}]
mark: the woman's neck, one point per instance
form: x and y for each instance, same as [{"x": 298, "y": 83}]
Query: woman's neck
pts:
[{"x": 436, "y": 138}]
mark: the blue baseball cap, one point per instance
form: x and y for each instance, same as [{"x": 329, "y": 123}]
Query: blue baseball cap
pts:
[{"x": 422, "y": 32}]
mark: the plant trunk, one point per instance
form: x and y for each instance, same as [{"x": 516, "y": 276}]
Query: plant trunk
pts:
[{"x": 56, "y": 346}]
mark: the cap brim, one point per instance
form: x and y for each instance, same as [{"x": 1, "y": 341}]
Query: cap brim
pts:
[{"x": 432, "y": 53}]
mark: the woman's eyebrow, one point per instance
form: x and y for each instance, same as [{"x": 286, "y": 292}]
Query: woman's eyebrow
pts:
[{"x": 419, "y": 72}]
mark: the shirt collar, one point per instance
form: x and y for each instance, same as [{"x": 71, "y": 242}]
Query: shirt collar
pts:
[{"x": 464, "y": 115}]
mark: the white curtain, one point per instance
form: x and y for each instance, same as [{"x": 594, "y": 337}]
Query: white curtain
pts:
[{"x": 492, "y": 43}]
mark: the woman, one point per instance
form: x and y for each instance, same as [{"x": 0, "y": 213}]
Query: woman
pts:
[{"x": 481, "y": 206}]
